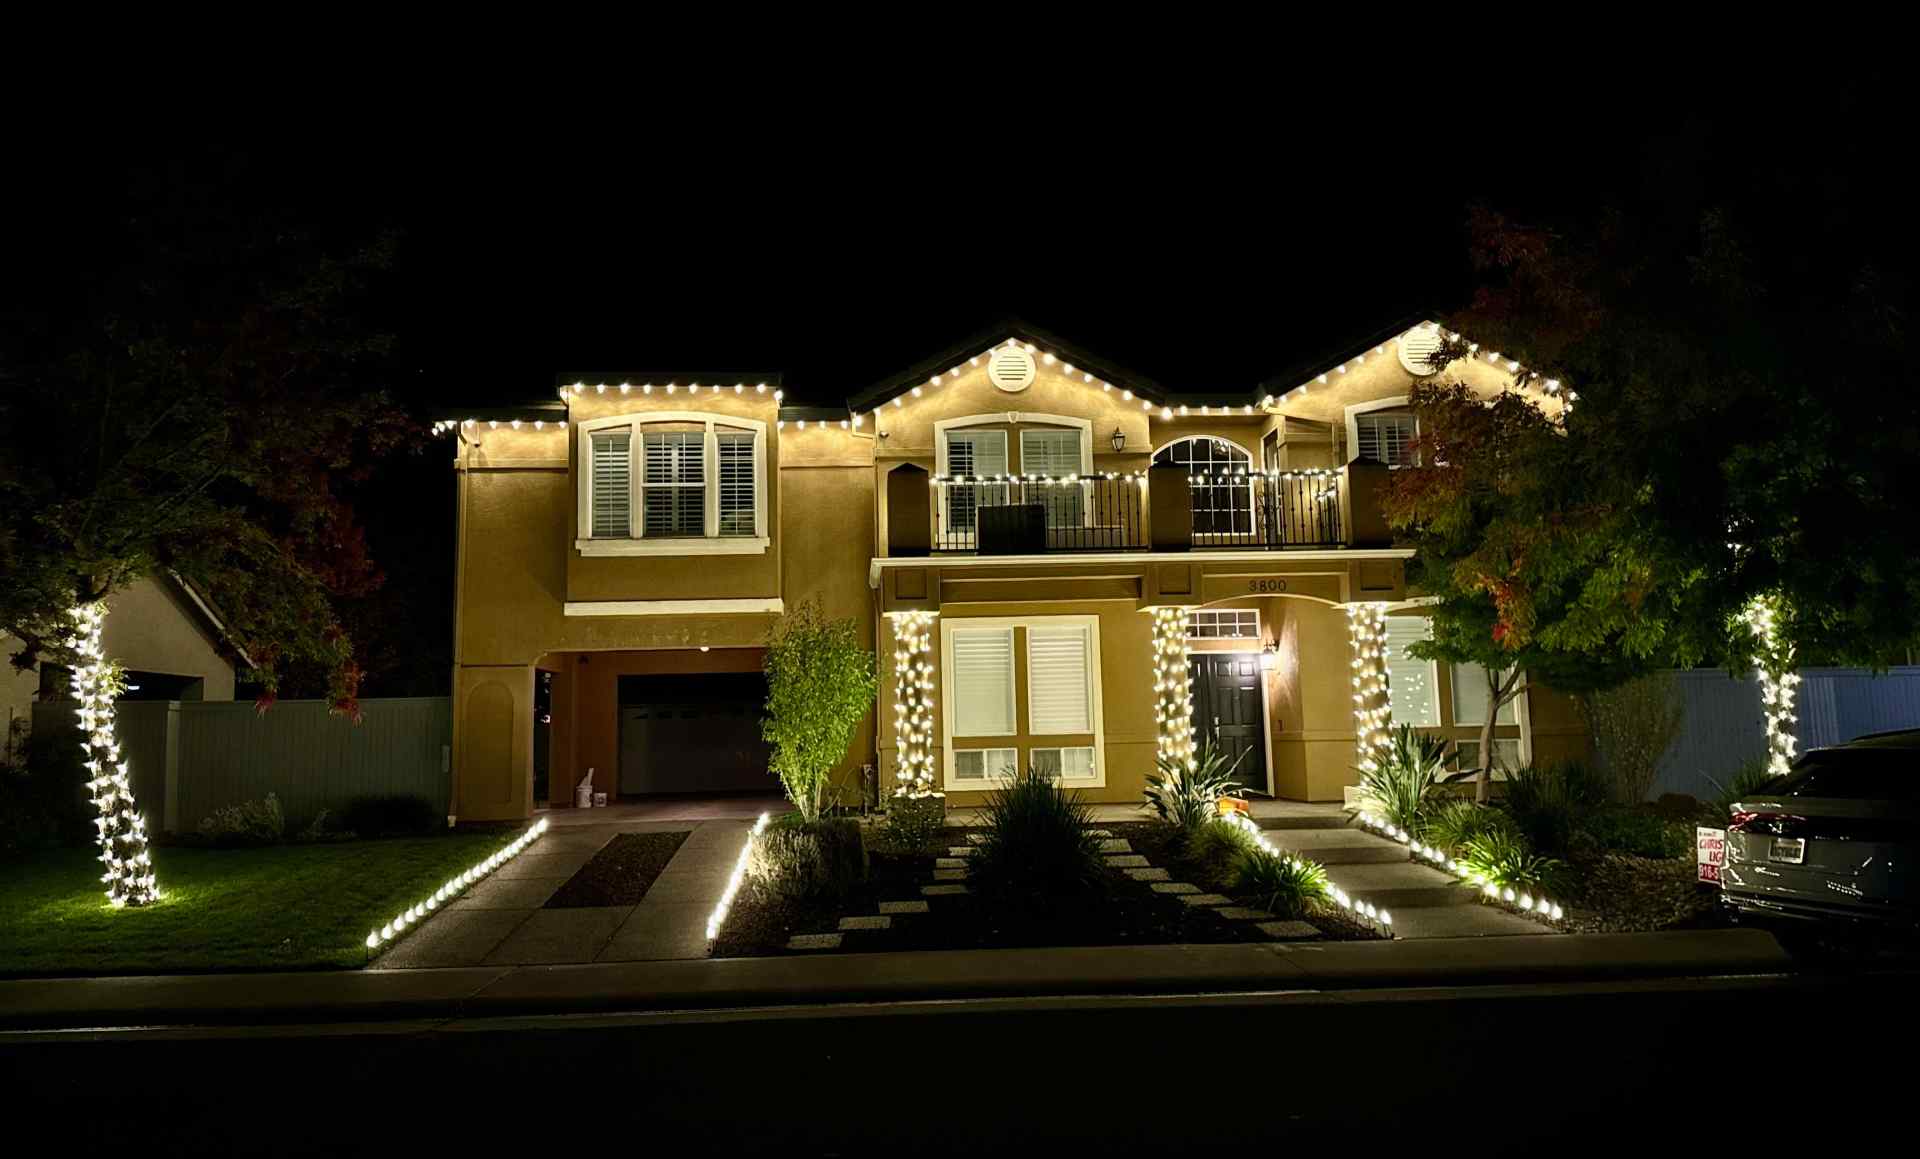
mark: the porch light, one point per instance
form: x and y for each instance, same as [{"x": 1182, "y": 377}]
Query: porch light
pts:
[
  {"x": 1119, "y": 439},
  {"x": 1269, "y": 656}
]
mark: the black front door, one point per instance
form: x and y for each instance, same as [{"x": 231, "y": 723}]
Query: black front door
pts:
[{"x": 1227, "y": 709}]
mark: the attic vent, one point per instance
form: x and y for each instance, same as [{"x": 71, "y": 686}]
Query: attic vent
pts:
[
  {"x": 1416, "y": 345},
  {"x": 1010, "y": 369}
]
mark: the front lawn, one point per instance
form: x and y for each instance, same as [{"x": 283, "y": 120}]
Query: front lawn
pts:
[{"x": 283, "y": 907}]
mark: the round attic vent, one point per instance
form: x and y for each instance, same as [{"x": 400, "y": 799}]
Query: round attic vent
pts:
[
  {"x": 1416, "y": 345},
  {"x": 1011, "y": 369}
]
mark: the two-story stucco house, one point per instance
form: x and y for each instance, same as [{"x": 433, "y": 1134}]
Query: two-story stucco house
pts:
[{"x": 1044, "y": 543}]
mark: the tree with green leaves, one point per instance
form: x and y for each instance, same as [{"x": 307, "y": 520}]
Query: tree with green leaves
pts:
[
  {"x": 821, "y": 682},
  {"x": 201, "y": 424}
]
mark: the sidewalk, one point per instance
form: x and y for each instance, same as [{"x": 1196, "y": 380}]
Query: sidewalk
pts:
[{"x": 379, "y": 995}]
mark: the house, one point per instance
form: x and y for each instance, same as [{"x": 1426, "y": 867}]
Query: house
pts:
[
  {"x": 1041, "y": 545},
  {"x": 171, "y": 643}
]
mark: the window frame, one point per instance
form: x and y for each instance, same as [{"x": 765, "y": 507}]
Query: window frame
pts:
[
  {"x": 1021, "y": 740},
  {"x": 1210, "y": 492},
  {"x": 1354, "y": 413},
  {"x": 636, "y": 542},
  {"x": 1433, "y": 679}
]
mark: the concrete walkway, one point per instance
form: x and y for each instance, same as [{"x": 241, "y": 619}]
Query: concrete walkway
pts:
[{"x": 501, "y": 922}]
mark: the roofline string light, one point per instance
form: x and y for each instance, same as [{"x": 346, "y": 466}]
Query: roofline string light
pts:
[
  {"x": 1551, "y": 387},
  {"x": 913, "y": 703},
  {"x": 718, "y": 918},
  {"x": 1372, "y": 702},
  {"x": 1364, "y": 911},
  {"x": 120, "y": 829},
  {"x": 1521, "y": 899},
  {"x": 414, "y": 914},
  {"x": 1779, "y": 683}
]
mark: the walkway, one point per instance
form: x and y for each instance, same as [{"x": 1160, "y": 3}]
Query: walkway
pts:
[
  {"x": 501, "y": 922},
  {"x": 1425, "y": 902}
]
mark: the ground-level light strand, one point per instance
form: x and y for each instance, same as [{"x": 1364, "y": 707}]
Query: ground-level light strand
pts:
[
  {"x": 456, "y": 885},
  {"x": 718, "y": 918}
]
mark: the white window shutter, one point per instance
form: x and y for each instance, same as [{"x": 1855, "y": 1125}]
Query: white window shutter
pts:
[
  {"x": 1385, "y": 437},
  {"x": 982, "y": 680},
  {"x": 1059, "y": 681},
  {"x": 1050, "y": 453},
  {"x": 612, "y": 482},
  {"x": 1410, "y": 688},
  {"x": 736, "y": 483}
]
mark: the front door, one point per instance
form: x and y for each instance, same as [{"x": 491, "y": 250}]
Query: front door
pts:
[{"x": 1228, "y": 708}]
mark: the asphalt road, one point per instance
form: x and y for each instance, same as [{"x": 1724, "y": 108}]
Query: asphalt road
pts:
[{"x": 1654, "y": 1068}]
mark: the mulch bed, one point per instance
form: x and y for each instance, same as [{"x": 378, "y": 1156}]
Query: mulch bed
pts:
[
  {"x": 1617, "y": 893},
  {"x": 621, "y": 873},
  {"x": 1123, "y": 912}
]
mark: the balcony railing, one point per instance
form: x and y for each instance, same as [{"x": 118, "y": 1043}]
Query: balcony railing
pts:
[
  {"x": 1032, "y": 514},
  {"x": 1265, "y": 509}
]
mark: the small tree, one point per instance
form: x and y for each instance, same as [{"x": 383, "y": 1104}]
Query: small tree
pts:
[
  {"x": 821, "y": 681},
  {"x": 1633, "y": 727}
]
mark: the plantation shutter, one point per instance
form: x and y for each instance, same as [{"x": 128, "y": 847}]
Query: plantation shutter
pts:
[
  {"x": 1053, "y": 453},
  {"x": 1470, "y": 697},
  {"x": 736, "y": 483},
  {"x": 1410, "y": 681},
  {"x": 612, "y": 482},
  {"x": 675, "y": 483},
  {"x": 1059, "y": 681},
  {"x": 977, "y": 453},
  {"x": 1384, "y": 437},
  {"x": 982, "y": 681}
]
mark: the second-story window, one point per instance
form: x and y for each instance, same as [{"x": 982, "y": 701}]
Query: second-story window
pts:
[
  {"x": 665, "y": 483},
  {"x": 1385, "y": 436}
]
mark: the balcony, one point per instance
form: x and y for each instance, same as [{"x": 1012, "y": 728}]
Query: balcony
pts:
[{"x": 1164, "y": 509}]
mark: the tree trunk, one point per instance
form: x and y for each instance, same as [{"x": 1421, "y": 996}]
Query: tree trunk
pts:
[
  {"x": 1498, "y": 693},
  {"x": 122, "y": 831}
]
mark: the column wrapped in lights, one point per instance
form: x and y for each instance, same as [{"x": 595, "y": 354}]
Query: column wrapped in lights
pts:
[
  {"x": 1372, "y": 706},
  {"x": 122, "y": 831},
  {"x": 913, "y": 703},
  {"x": 1779, "y": 683},
  {"x": 1172, "y": 688}
]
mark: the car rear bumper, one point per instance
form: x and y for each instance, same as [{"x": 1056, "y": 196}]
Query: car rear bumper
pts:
[{"x": 1776, "y": 905}]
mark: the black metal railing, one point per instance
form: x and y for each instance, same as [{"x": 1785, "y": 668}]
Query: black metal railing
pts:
[
  {"x": 1266, "y": 509},
  {"x": 1031, "y": 515}
]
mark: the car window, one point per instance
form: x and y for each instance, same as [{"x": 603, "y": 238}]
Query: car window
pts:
[{"x": 1855, "y": 774}]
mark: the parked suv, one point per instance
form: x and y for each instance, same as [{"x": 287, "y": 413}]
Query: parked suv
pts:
[{"x": 1837, "y": 837}]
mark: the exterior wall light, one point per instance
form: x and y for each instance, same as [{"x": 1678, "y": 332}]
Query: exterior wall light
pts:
[
  {"x": 1269, "y": 657},
  {"x": 1119, "y": 439}
]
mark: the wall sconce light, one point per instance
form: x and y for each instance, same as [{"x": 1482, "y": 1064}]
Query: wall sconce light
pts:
[
  {"x": 1269, "y": 657},
  {"x": 1119, "y": 439}
]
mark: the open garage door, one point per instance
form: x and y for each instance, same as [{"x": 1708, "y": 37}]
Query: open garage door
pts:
[{"x": 693, "y": 733}]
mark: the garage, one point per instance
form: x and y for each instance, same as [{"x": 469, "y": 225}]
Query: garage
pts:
[{"x": 692, "y": 733}]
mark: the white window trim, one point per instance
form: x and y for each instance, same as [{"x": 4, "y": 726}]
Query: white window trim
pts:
[
  {"x": 1433, "y": 679},
  {"x": 1012, "y": 418},
  {"x": 1354, "y": 412},
  {"x": 995, "y": 780},
  {"x": 640, "y": 544},
  {"x": 1064, "y": 781}
]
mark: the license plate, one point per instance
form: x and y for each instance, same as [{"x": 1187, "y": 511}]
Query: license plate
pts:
[{"x": 1792, "y": 850}]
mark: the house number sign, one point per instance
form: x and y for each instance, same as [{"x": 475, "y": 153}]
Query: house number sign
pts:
[{"x": 1267, "y": 585}]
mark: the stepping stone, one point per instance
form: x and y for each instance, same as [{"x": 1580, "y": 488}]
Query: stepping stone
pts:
[
  {"x": 1291, "y": 931},
  {"x": 1148, "y": 874},
  {"x": 960, "y": 851},
  {"x": 866, "y": 923},
  {"x": 1099, "y": 832},
  {"x": 1127, "y": 861},
  {"x": 976, "y": 838},
  {"x": 949, "y": 863},
  {"x": 814, "y": 942},
  {"x": 950, "y": 874},
  {"x": 1240, "y": 913},
  {"x": 1206, "y": 899},
  {"x": 1175, "y": 887},
  {"x": 941, "y": 890},
  {"x": 1115, "y": 845},
  {"x": 903, "y": 907}
]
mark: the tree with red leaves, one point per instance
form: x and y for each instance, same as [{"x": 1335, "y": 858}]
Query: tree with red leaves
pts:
[{"x": 201, "y": 424}]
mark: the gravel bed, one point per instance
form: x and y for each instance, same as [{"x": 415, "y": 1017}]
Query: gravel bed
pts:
[{"x": 621, "y": 873}]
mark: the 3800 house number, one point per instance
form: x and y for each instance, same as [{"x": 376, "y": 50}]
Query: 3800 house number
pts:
[{"x": 1267, "y": 585}]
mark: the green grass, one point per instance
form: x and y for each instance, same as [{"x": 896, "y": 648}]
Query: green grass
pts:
[{"x": 285, "y": 907}]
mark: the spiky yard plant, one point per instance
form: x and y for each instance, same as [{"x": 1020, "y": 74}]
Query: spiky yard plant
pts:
[
  {"x": 1400, "y": 786},
  {"x": 1455, "y": 823},
  {"x": 1187, "y": 798},
  {"x": 1282, "y": 884},
  {"x": 1501, "y": 855},
  {"x": 1038, "y": 841}
]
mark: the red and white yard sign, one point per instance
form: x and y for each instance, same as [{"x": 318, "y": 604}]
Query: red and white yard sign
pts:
[{"x": 1709, "y": 853}]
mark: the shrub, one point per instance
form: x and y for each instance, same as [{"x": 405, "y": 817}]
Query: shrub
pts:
[
  {"x": 1213, "y": 848},
  {"x": 910, "y": 829},
  {"x": 1748, "y": 780},
  {"x": 323, "y": 828},
  {"x": 1635, "y": 834},
  {"x": 1187, "y": 798},
  {"x": 1547, "y": 802},
  {"x": 391, "y": 816},
  {"x": 43, "y": 798},
  {"x": 1289, "y": 887},
  {"x": 1454, "y": 824},
  {"x": 1401, "y": 783},
  {"x": 798, "y": 860},
  {"x": 1634, "y": 725},
  {"x": 820, "y": 685},
  {"x": 248, "y": 823},
  {"x": 1502, "y": 855},
  {"x": 1037, "y": 840}
]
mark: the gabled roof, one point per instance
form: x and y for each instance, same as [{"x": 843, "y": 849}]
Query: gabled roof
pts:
[{"x": 981, "y": 341}]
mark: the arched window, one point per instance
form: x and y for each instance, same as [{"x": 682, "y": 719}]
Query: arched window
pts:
[{"x": 1219, "y": 508}]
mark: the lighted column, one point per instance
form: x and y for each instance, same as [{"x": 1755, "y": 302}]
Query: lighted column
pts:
[
  {"x": 122, "y": 831},
  {"x": 913, "y": 702},
  {"x": 1779, "y": 683},
  {"x": 1372, "y": 708},
  {"x": 1172, "y": 688}
]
